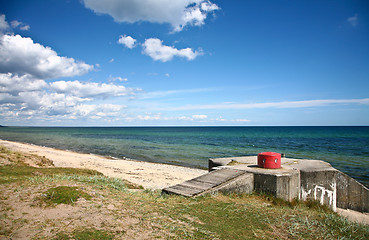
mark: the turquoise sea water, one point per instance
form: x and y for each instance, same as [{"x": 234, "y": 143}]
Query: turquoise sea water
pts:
[{"x": 346, "y": 148}]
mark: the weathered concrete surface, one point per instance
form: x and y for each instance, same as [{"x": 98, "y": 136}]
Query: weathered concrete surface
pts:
[
  {"x": 283, "y": 182},
  {"x": 225, "y": 180},
  {"x": 319, "y": 185},
  {"x": 351, "y": 194},
  {"x": 302, "y": 179},
  {"x": 296, "y": 179}
]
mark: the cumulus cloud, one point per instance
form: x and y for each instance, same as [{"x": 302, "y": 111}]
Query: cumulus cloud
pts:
[
  {"x": 55, "y": 106},
  {"x": 25, "y": 95},
  {"x": 23, "y": 98},
  {"x": 3, "y": 23},
  {"x": 154, "y": 48},
  {"x": 127, "y": 41},
  {"x": 20, "y": 55},
  {"x": 90, "y": 90},
  {"x": 14, "y": 84},
  {"x": 179, "y": 13}
]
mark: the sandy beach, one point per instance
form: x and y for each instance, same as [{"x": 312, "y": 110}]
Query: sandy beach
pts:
[{"x": 149, "y": 175}]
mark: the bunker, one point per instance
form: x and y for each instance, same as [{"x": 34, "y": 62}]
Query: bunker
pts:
[{"x": 295, "y": 179}]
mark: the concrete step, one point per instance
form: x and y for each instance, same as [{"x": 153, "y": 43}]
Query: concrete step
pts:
[{"x": 213, "y": 181}]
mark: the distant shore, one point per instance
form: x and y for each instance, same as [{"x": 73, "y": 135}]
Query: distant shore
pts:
[{"x": 149, "y": 175}]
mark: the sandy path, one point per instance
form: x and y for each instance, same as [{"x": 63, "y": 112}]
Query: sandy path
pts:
[{"x": 148, "y": 175}]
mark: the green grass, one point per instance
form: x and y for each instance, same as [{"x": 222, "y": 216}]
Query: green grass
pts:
[
  {"x": 63, "y": 194},
  {"x": 95, "y": 180},
  {"x": 214, "y": 216},
  {"x": 13, "y": 173},
  {"x": 85, "y": 234}
]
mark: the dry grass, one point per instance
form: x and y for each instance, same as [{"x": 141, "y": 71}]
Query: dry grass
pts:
[{"x": 108, "y": 208}]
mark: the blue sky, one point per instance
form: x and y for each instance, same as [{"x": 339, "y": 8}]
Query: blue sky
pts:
[{"x": 184, "y": 62}]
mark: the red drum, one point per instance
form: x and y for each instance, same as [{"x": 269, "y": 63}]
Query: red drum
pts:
[{"x": 269, "y": 160}]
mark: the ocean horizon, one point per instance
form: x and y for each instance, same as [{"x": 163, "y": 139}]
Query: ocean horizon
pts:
[{"x": 344, "y": 147}]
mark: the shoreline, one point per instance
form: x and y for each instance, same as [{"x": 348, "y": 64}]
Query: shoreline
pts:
[{"x": 147, "y": 174}]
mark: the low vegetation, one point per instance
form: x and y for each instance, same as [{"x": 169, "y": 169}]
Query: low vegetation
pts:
[
  {"x": 44, "y": 202},
  {"x": 63, "y": 194}
]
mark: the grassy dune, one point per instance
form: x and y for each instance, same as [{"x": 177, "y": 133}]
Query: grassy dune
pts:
[{"x": 39, "y": 201}]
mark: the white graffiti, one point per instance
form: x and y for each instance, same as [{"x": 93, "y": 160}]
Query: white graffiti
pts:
[{"x": 321, "y": 192}]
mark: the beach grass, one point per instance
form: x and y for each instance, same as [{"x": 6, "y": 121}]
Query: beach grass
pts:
[
  {"x": 63, "y": 195},
  {"x": 64, "y": 203}
]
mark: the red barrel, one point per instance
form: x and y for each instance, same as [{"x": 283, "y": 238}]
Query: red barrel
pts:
[{"x": 269, "y": 160}]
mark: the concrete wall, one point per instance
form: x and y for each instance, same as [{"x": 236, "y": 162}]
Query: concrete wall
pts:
[
  {"x": 319, "y": 185},
  {"x": 241, "y": 184},
  {"x": 334, "y": 189},
  {"x": 284, "y": 186},
  {"x": 351, "y": 194}
]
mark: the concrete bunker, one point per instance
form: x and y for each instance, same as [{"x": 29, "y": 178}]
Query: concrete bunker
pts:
[{"x": 295, "y": 179}]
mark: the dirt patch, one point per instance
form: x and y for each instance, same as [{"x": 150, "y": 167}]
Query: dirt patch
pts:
[{"x": 23, "y": 217}]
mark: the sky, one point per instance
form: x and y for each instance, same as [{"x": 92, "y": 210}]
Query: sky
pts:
[{"x": 184, "y": 63}]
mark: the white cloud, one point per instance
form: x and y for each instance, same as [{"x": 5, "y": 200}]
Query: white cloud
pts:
[
  {"x": 26, "y": 96},
  {"x": 203, "y": 119},
  {"x": 241, "y": 120},
  {"x": 19, "y": 24},
  {"x": 20, "y": 55},
  {"x": 353, "y": 20},
  {"x": 25, "y": 28},
  {"x": 15, "y": 23},
  {"x": 199, "y": 117},
  {"x": 160, "y": 94},
  {"x": 90, "y": 90},
  {"x": 127, "y": 41},
  {"x": 285, "y": 104},
  {"x": 208, "y": 6},
  {"x": 179, "y": 13},
  {"x": 154, "y": 48},
  {"x": 42, "y": 105},
  {"x": 3, "y": 23},
  {"x": 120, "y": 79},
  {"x": 14, "y": 84}
]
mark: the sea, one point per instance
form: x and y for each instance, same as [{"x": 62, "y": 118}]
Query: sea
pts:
[{"x": 345, "y": 148}]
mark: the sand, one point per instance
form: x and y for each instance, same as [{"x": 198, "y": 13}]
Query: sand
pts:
[{"x": 149, "y": 175}]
